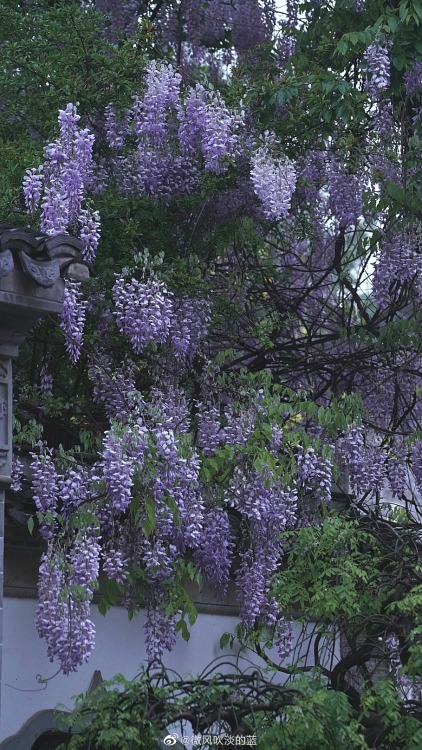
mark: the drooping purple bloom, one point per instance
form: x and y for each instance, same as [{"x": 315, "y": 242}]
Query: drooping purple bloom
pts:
[
  {"x": 32, "y": 188},
  {"x": 274, "y": 181},
  {"x": 213, "y": 555},
  {"x": 62, "y": 619},
  {"x": 72, "y": 319},
  {"x": 46, "y": 381},
  {"x": 90, "y": 233},
  {"x": 143, "y": 310},
  {"x": 84, "y": 559},
  {"x": 160, "y": 632},
  {"x": 413, "y": 78},
  {"x": 16, "y": 474},
  {"x": 378, "y": 69},
  {"x": 118, "y": 470}
]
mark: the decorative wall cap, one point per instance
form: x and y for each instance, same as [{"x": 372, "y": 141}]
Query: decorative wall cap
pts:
[{"x": 41, "y": 257}]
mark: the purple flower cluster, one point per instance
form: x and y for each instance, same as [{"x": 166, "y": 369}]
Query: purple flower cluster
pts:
[
  {"x": 46, "y": 381},
  {"x": 189, "y": 325},
  {"x": 72, "y": 319},
  {"x": 345, "y": 193},
  {"x": 283, "y": 638},
  {"x": 16, "y": 474},
  {"x": 118, "y": 470},
  {"x": 74, "y": 489},
  {"x": 115, "y": 388},
  {"x": 252, "y": 586},
  {"x": 383, "y": 120},
  {"x": 238, "y": 427},
  {"x": 251, "y": 25},
  {"x": 213, "y": 556},
  {"x": 378, "y": 69},
  {"x": 314, "y": 474},
  {"x": 146, "y": 311},
  {"x": 67, "y": 171},
  {"x": 84, "y": 559},
  {"x": 122, "y": 15},
  {"x": 32, "y": 188},
  {"x": 413, "y": 79},
  {"x": 210, "y": 434},
  {"x": 175, "y": 136},
  {"x": 311, "y": 176},
  {"x": 143, "y": 310},
  {"x": 269, "y": 508},
  {"x": 165, "y": 443},
  {"x": 116, "y": 132},
  {"x": 366, "y": 463},
  {"x": 219, "y": 137},
  {"x": 44, "y": 479},
  {"x": 160, "y": 632},
  {"x": 397, "y": 471},
  {"x": 90, "y": 233},
  {"x": 152, "y": 113},
  {"x": 61, "y": 619},
  {"x": 158, "y": 556},
  {"x": 416, "y": 454},
  {"x": 274, "y": 181},
  {"x": 60, "y": 184},
  {"x": 260, "y": 498},
  {"x": 169, "y": 406},
  {"x": 115, "y": 564},
  {"x": 399, "y": 262},
  {"x": 287, "y": 43},
  {"x": 258, "y": 565}
]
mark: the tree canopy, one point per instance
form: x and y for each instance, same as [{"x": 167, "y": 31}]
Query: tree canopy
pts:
[{"x": 246, "y": 356}]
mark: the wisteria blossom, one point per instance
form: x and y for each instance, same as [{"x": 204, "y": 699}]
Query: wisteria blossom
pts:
[{"x": 274, "y": 181}]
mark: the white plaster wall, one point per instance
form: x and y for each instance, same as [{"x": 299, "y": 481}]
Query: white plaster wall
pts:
[{"x": 119, "y": 648}]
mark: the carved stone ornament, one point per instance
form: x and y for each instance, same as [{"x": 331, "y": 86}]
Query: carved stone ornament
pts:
[
  {"x": 3, "y": 371},
  {"x": 6, "y": 263},
  {"x": 16, "y": 238},
  {"x": 4, "y": 455},
  {"x": 45, "y": 273},
  {"x": 44, "y": 258},
  {"x": 63, "y": 245}
]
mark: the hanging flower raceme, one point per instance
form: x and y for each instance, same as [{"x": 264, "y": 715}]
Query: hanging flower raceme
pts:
[
  {"x": 90, "y": 233},
  {"x": 189, "y": 325},
  {"x": 398, "y": 263},
  {"x": 32, "y": 188},
  {"x": 63, "y": 617},
  {"x": 161, "y": 97},
  {"x": 16, "y": 474},
  {"x": 213, "y": 555},
  {"x": 143, "y": 310},
  {"x": 274, "y": 180},
  {"x": 378, "y": 69},
  {"x": 84, "y": 559},
  {"x": 160, "y": 630},
  {"x": 210, "y": 434},
  {"x": 46, "y": 381},
  {"x": 72, "y": 319},
  {"x": 116, "y": 130},
  {"x": 114, "y": 387},
  {"x": 314, "y": 474},
  {"x": 44, "y": 482},
  {"x": 59, "y": 185},
  {"x": 345, "y": 191},
  {"x": 118, "y": 468}
]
